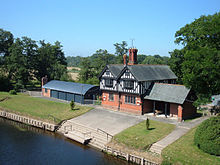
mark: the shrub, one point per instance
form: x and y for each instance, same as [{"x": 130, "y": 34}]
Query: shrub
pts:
[
  {"x": 72, "y": 105},
  {"x": 12, "y": 92},
  {"x": 147, "y": 124},
  {"x": 207, "y": 136}
]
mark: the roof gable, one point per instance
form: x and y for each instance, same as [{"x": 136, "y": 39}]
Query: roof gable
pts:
[
  {"x": 168, "y": 93},
  {"x": 70, "y": 87},
  {"x": 115, "y": 70}
]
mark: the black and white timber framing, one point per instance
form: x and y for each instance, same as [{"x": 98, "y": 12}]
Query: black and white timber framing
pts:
[{"x": 134, "y": 79}]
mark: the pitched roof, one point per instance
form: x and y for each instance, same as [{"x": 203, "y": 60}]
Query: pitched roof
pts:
[
  {"x": 115, "y": 69},
  {"x": 151, "y": 72},
  {"x": 70, "y": 87},
  {"x": 168, "y": 93}
]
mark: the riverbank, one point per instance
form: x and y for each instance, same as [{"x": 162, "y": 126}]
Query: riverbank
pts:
[{"x": 28, "y": 120}]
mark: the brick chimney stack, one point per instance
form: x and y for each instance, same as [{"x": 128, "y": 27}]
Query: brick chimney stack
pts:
[
  {"x": 125, "y": 59},
  {"x": 132, "y": 56}
]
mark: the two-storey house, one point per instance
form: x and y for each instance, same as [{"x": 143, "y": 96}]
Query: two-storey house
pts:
[{"x": 129, "y": 87}]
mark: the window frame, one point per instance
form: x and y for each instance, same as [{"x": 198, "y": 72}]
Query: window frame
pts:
[
  {"x": 111, "y": 97},
  {"x": 45, "y": 90},
  {"x": 130, "y": 99},
  {"x": 109, "y": 82},
  {"x": 128, "y": 84}
]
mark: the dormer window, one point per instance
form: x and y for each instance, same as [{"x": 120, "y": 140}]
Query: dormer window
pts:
[
  {"x": 109, "y": 82},
  {"x": 128, "y": 84}
]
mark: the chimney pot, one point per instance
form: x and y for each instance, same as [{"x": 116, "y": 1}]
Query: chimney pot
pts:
[{"x": 132, "y": 56}]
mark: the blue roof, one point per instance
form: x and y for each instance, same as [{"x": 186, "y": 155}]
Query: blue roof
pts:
[{"x": 70, "y": 87}]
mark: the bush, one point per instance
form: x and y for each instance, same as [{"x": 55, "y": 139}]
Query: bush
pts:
[
  {"x": 207, "y": 136},
  {"x": 12, "y": 92},
  {"x": 72, "y": 105},
  {"x": 147, "y": 124}
]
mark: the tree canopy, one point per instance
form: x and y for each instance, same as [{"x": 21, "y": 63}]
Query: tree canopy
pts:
[
  {"x": 23, "y": 60},
  {"x": 197, "y": 64}
]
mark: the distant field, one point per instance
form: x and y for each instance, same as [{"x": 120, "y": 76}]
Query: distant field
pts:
[
  {"x": 39, "y": 108},
  {"x": 73, "y": 72}
]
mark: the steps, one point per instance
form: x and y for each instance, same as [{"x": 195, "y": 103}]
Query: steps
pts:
[
  {"x": 156, "y": 148},
  {"x": 85, "y": 135}
]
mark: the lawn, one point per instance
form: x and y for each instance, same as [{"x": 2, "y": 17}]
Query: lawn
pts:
[
  {"x": 137, "y": 137},
  {"x": 39, "y": 108},
  {"x": 183, "y": 151}
]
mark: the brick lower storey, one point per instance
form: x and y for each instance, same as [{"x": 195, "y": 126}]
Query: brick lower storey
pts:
[{"x": 184, "y": 111}]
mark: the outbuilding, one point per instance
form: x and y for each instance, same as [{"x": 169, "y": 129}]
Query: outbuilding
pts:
[{"x": 80, "y": 93}]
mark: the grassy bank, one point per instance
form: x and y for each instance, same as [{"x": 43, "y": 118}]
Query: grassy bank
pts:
[
  {"x": 137, "y": 137},
  {"x": 39, "y": 108},
  {"x": 183, "y": 151}
]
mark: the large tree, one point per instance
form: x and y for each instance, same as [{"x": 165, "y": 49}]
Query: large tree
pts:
[
  {"x": 20, "y": 60},
  {"x": 198, "y": 63},
  {"x": 50, "y": 61}
]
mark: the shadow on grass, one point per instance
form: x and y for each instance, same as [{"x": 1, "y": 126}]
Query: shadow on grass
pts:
[
  {"x": 75, "y": 109},
  {"x": 151, "y": 129}
]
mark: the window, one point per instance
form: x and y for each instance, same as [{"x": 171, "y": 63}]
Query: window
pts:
[
  {"x": 127, "y": 74},
  {"x": 111, "y": 97},
  {"x": 107, "y": 73},
  {"x": 109, "y": 82},
  {"x": 130, "y": 99},
  {"x": 45, "y": 90},
  {"x": 129, "y": 84}
]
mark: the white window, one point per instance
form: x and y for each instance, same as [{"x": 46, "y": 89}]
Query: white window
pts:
[
  {"x": 130, "y": 99},
  {"x": 109, "y": 82},
  {"x": 111, "y": 97}
]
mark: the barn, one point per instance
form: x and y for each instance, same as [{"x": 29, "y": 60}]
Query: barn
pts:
[{"x": 80, "y": 93}]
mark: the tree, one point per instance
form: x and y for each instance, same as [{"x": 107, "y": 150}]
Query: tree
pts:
[
  {"x": 86, "y": 71},
  {"x": 6, "y": 40},
  {"x": 50, "y": 61},
  {"x": 156, "y": 59},
  {"x": 120, "y": 50},
  {"x": 197, "y": 64}
]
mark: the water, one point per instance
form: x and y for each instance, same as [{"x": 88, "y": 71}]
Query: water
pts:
[{"x": 25, "y": 145}]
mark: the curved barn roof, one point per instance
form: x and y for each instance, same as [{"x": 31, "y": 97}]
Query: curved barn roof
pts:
[{"x": 70, "y": 87}]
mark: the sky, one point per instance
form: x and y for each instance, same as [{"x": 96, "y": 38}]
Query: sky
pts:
[{"x": 85, "y": 26}]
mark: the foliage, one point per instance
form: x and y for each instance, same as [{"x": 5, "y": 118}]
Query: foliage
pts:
[
  {"x": 5, "y": 82},
  {"x": 147, "y": 124},
  {"x": 13, "y": 92},
  {"x": 120, "y": 50},
  {"x": 197, "y": 64},
  {"x": 40, "y": 108},
  {"x": 72, "y": 105},
  {"x": 156, "y": 59},
  {"x": 51, "y": 61},
  {"x": 73, "y": 61},
  {"x": 136, "y": 137},
  {"x": 183, "y": 151},
  {"x": 6, "y": 40},
  {"x": 207, "y": 136}
]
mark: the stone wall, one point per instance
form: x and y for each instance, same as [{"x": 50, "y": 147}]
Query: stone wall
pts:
[{"x": 28, "y": 120}]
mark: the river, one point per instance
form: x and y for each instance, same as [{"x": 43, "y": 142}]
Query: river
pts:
[{"x": 25, "y": 145}]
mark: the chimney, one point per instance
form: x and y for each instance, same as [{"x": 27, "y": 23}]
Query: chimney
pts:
[
  {"x": 132, "y": 56},
  {"x": 44, "y": 80},
  {"x": 125, "y": 59}
]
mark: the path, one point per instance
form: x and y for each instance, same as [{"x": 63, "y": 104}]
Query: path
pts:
[{"x": 180, "y": 130}]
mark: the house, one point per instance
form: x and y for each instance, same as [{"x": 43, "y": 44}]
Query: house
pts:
[
  {"x": 143, "y": 89},
  {"x": 80, "y": 93}
]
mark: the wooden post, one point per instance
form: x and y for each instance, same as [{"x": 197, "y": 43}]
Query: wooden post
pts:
[
  {"x": 166, "y": 110},
  {"x": 154, "y": 107}
]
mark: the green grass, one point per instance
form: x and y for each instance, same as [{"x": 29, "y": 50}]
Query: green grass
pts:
[
  {"x": 137, "y": 137},
  {"x": 40, "y": 108},
  {"x": 183, "y": 151}
]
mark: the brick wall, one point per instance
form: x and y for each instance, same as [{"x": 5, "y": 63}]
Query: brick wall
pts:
[
  {"x": 46, "y": 94},
  {"x": 173, "y": 109},
  {"x": 110, "y": 104},
  {"x": 131, "y": 108}
]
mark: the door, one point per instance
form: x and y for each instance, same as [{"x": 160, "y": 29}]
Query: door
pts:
[{"x": 54, "y": 94}]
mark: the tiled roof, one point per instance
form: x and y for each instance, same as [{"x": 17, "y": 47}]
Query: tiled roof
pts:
[{"x": 168, "y": 93}]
